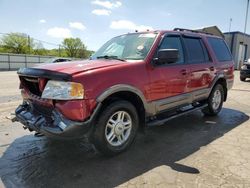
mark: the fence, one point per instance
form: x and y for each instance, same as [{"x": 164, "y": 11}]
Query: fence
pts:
[{"x": 16, "y": 61}]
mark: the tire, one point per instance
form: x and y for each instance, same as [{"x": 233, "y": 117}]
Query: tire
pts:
[
  {"x": 242, "y": 79},
  {"x": 215, "y": 101},
  {"x": 113, "y": 133}
]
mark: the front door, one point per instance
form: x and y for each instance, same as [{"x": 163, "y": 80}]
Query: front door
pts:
[{"x": 169, "y": 80}]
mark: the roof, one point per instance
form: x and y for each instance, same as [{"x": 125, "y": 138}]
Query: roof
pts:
[
  {"x": 236, "y": 32},
  {"x": 178, "y": 30},
  {"x": 212, "y": 30}
]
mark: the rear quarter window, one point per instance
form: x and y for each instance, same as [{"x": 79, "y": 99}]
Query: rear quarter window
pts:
[{"x": 220, "y": 49}]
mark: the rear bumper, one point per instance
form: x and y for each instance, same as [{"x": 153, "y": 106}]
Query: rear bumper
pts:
[
  {"x": 245, "y": 73},
  {"x": 56, "y": 125}
]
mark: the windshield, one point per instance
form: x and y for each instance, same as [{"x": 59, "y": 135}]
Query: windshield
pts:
[{"x": 127, "y": 47}]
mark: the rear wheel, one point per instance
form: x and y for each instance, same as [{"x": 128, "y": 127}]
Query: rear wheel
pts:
[
  {"x": 116, "y": 128},
  {"x": 242, "y": 79},
  {"x": 215, "y": 101}
]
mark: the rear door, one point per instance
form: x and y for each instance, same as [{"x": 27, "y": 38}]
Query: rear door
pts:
[
  {"x": 201, "y": 67},
  {"x": 225, "y": 64}
]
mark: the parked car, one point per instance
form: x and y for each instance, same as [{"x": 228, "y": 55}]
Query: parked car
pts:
[
  {"x": 134, "y": 80},
  {"x": 57, "y": 60},
  {"x": 245, "y": 70}
]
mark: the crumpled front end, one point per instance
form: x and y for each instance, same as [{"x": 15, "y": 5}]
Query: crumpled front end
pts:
[
  {"x": 50, "y": 123},
  {"x": 54, "y": 118}
]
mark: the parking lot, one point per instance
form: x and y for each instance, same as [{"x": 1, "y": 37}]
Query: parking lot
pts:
[{"x": 191, "y": 151}]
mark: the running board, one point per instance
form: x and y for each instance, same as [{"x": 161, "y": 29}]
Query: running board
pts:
[{"x": 159, "y": 122}]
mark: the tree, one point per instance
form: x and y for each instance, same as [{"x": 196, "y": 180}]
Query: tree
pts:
[
  {"x": 74, "y": 47},
  {"x": 17, "y": 43},
  {"x": 39, "y": 49}
]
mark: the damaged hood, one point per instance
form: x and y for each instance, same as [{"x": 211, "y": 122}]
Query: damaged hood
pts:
[{"x": 74, "y": 67}]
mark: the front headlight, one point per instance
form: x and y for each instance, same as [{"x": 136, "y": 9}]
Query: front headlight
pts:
[
  {"x": 60, "y": 90},
  {"x": 244, "y": 67}
]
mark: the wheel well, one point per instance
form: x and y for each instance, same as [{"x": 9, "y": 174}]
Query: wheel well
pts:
[
  {"x": 133, "y": 99},
  {"x": 223, "y": 82}
]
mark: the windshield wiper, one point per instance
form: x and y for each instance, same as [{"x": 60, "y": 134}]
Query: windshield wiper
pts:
[{"x": 110, "y": 57}]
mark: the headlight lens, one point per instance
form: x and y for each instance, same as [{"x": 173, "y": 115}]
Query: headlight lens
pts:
[
  {"x": 60, "y": 90},
  {"x": 244, "y": 67}
]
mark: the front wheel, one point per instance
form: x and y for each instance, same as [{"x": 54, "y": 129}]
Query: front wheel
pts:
[
  {"x": 116, "y": 128},
  {"x": 215, "y": 101}
]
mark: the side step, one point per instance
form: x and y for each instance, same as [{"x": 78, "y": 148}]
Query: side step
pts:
[{"x": 158, "y": 122}]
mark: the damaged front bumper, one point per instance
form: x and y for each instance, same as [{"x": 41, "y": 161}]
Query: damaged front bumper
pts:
[{"x": 54, "y": 125}]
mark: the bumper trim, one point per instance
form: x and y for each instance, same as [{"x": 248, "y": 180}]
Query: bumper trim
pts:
[{"x": 56, "y": 125}]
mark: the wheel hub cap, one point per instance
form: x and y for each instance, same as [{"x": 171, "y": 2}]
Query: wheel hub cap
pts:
[
  {"x": 216, "y": 101},
  {"x": 118, "y": 128}
]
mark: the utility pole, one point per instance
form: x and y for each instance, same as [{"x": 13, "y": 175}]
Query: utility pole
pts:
[
  {"x": 230, "y": 23},
  {"x": 59, "y": 50},
  {"x": 245, "y": 28},
  {"x": 29, "y": 46},
  {"x": 244, "y": 36}
]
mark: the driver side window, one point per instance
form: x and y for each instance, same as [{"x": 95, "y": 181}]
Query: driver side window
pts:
[{"x": 173, "y": 42}]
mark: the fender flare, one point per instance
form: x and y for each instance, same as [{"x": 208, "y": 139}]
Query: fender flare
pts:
[
  {"x": 219, "y": 76},
  {"x": 149, "y": 108}
]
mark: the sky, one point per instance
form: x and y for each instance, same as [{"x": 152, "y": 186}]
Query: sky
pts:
[{"x": 96, "y": 21}]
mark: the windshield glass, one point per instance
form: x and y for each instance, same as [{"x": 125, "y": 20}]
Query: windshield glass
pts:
[{"x": 127, "y": 47}]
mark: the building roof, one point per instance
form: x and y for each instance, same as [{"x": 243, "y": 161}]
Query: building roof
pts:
[
  {"x": 236, "y": 32},
  {"x": 213, "y": 30}
]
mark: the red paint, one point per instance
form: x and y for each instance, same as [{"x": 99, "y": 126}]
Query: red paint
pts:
[
  {"x": 42, "y": 83},
  {"x": 76, "y": 110}
]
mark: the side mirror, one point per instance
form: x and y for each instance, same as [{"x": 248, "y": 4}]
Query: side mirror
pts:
[{"x": 167, "y": 56}]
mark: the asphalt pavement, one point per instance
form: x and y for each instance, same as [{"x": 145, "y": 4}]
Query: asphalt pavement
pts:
[{"x": 191, "y": 151}]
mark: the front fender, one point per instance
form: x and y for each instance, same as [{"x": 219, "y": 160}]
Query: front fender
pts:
[{"x": 149, "y": 108}]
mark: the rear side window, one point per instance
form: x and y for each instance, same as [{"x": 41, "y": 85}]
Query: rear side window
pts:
[
  {"x": 196, "y": 50},
  {"x": 220, "y": 49}
]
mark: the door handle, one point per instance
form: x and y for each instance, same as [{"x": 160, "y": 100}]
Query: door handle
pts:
[
  {"x": 184, "y": 72},
  {"x": 211, "y": 68}
]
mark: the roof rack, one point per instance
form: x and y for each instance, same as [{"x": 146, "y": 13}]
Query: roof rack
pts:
[{"x": 193, "y": 31}]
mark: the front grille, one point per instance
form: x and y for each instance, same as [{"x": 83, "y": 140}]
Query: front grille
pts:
[{"x": 31, "y": 84}]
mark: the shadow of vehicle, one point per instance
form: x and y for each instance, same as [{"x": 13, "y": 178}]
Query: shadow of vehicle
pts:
[{"x": 38, "y": 162}]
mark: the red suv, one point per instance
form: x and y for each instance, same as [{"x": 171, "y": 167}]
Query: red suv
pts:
[{"x": 134, "y": 80}]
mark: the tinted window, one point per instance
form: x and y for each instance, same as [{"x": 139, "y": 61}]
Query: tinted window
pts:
[
  {"x": 173, "y": 42},
  {"x": 220, "y": 49},
  {"x": 206, "y": 56},
  {"x": 196, "y": 50}
]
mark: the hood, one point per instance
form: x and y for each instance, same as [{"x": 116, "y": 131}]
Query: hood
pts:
[{"x": 74, "y": 67}]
